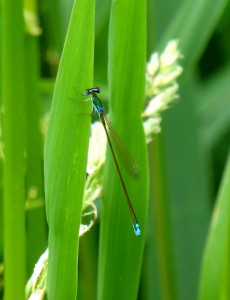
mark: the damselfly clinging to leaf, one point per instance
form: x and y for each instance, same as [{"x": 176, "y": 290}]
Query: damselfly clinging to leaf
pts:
[{"x": 123, "y": 153}]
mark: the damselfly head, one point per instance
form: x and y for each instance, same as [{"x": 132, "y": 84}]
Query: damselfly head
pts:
[
  {"x": 86, "y": 93},
  {"x": 92, "y": 90}
]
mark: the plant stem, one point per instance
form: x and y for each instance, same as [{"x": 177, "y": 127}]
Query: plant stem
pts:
[{"x": 13, "y": 91}]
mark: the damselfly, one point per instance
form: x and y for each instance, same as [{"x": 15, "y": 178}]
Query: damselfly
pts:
[{"x": 123, "y": 153}]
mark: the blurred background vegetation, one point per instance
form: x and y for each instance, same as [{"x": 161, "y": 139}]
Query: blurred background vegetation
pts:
[{"x": 186, "y": 160}]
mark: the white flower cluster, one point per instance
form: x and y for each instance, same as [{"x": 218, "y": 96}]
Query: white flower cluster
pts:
[
  {"x": 96, "y": 155},
  {"x": 162, "y": 72}
]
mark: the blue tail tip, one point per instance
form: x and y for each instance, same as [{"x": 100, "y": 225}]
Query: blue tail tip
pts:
[{"x": 137, "y": 229}]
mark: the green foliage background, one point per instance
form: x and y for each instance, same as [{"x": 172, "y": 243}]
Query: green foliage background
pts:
[{"x": 184, "y": 251}]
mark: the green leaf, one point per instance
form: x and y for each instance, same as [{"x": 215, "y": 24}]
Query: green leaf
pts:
[
  {"x": 215, "y": 274},
  {"x": 121, "y": 251},
  {"x": 186, "y": 26},
  {"x": 66, "y": 152},
  {"x": 212, "y": 101},
  {"x": 13, "y": 93}
]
